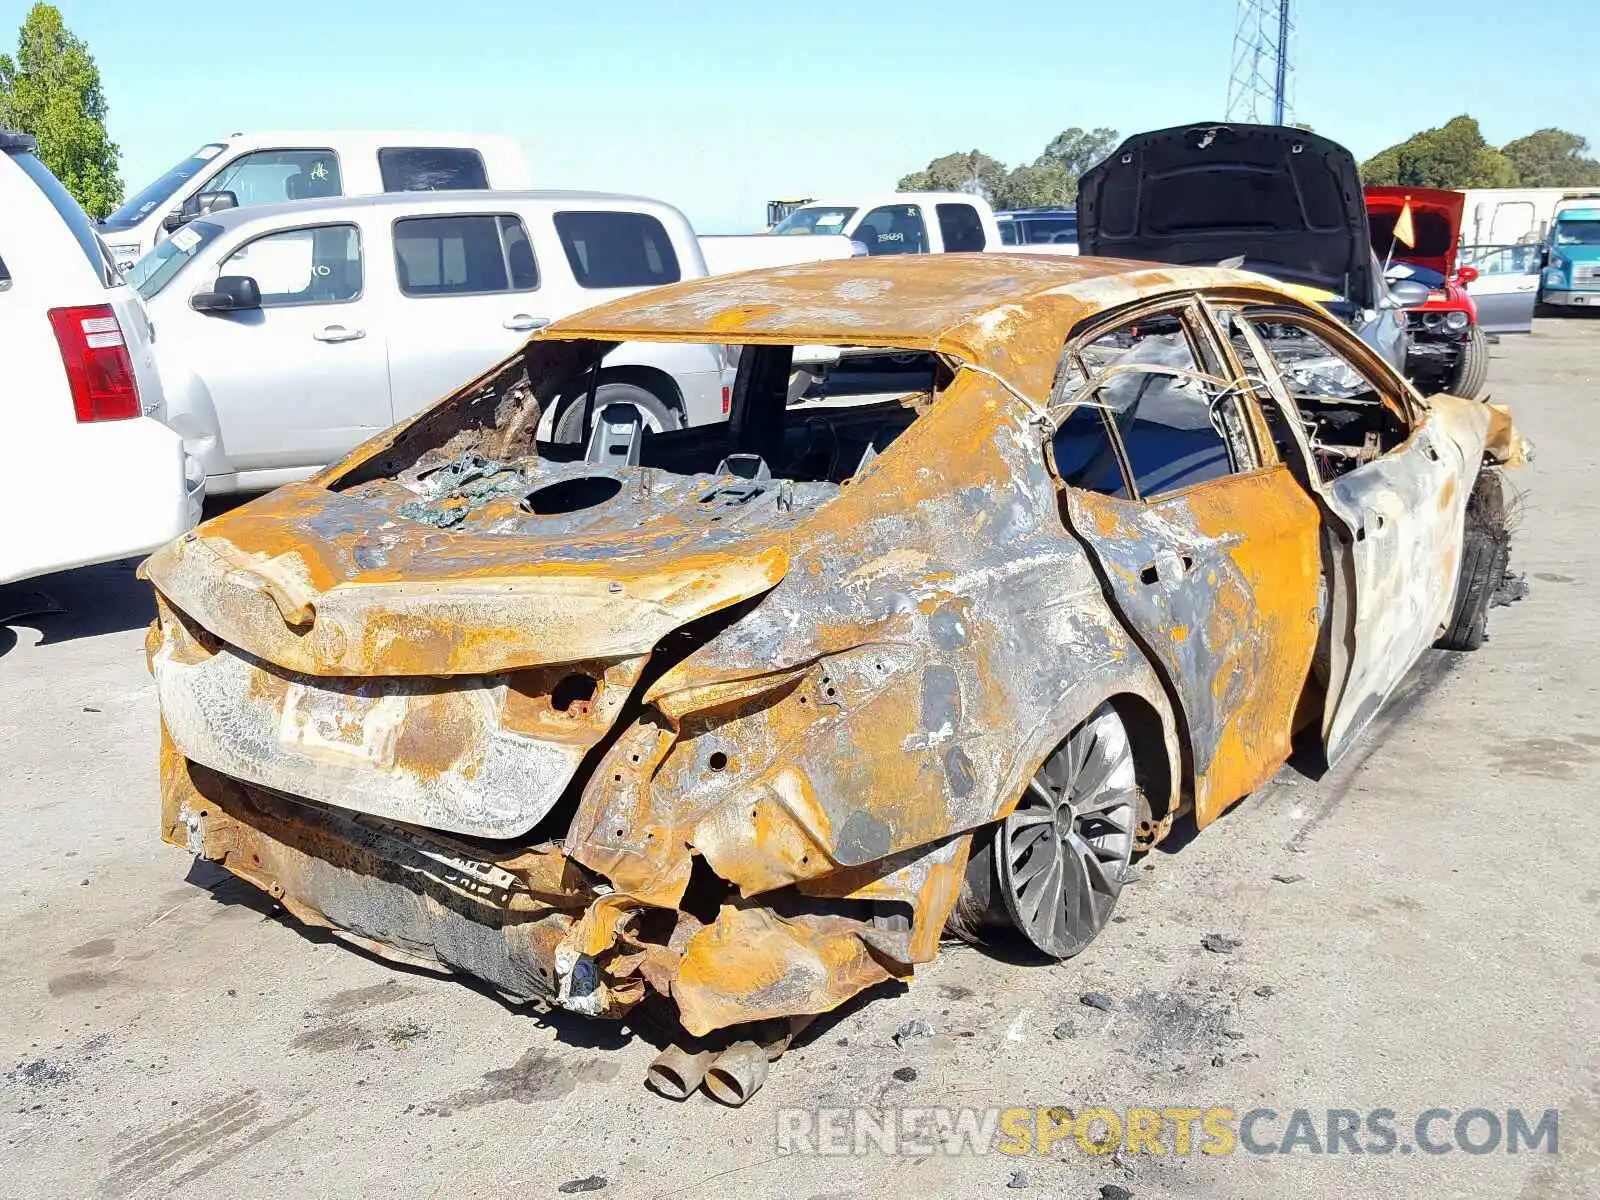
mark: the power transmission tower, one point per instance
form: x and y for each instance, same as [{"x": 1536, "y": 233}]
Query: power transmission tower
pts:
[{"x": 1258, "y": 87}]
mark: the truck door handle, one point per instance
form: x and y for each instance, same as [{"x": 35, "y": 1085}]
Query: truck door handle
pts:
[
  {"x": 338, "y": 333},
  {"x": 523, "y": 323}
]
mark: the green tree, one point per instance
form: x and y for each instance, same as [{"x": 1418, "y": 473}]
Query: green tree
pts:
[
  {"x": 1039, "y": 185},
  {"x": 52, "y": 90},
  {"x": 1453, "y": 156},
  {"x": 973, "y": 171},
  {"x": 1075, "y": 150},
  {"x": 1552, "y": 158}
]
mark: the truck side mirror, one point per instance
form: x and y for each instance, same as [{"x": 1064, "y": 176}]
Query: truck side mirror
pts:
[
  {"x": 230, "y": 293},
  {"x": 198, "y": 205}
]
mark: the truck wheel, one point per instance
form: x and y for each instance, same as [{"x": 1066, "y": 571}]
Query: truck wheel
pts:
[
  {"x": 1485, "y": 552},
  {"x": 1472, "y": 368},
  {"x": 659, "y": 417}
]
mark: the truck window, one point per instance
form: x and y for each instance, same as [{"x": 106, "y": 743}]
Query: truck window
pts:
[
  {"x": 319, "y": 264},
  {"x": 893, "y": 229},
  {"x": 431, "y": 168},
  {"x": 271, "y": 176},
  {"x": 960, "y": 227},
  {"x": 136, "y": 209},
  {"x": 463, "y": 255},
  {"x": 617, "y": 249}
]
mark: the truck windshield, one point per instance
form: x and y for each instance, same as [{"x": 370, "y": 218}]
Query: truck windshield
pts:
[
  {"x": 135, "y": 210},
  {"x": 156, "y": 269},
  {"x": 823, "y": 218},
  {"x": 1578, "y": 233}
]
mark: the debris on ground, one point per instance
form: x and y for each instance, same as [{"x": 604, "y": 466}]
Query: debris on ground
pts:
[
  {"x": 590, "y": 1183},
  {"x": 1221, "y": 943},
  {"x": 906, "y": 1074},
  {"x": 1513, "y": 587},
  {"x": 1265, "y": 990},
  {"x": 1065, "y": 1030},
  {"x": 1114, "y": 1191},
  {"x": 916, "y": 1027},
  {"x": 41, "y": 1072},
  {"x": 1287, "y": 878},
  {"x": 1097, "y": 1000},
  {"x": 1018, "y": 1180}
]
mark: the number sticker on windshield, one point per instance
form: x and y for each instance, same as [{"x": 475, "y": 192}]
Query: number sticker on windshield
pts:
[{"x": 185, "y": 240}]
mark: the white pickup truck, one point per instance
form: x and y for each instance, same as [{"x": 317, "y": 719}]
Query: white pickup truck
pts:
[
  {"x": 288, "y": 333},
  {"x": 277, "y": 165},
  {"x": 909, "y": 223}
]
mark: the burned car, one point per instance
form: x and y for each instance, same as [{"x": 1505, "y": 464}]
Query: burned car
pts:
[{"x": 998, "y": 567}]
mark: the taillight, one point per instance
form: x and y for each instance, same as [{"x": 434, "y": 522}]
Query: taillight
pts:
[
  {"x": 727, "y": 399},
  {"x": 99, "y": 369}
]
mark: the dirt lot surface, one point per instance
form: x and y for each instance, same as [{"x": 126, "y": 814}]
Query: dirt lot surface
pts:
[{"x": 1419, "y": 929}]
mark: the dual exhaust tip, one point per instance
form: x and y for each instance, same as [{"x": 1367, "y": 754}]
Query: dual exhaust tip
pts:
[{"x": 730, "y": 1075}]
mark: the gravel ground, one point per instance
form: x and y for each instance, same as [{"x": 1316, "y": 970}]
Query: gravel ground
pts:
[{"x": 1419, "y": 929}]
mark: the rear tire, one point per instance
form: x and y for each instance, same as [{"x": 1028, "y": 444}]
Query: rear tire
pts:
[
  {"x": 659, "y": 416},
  {"x": 1472, "y": 368},
  {"x": 1485, "y": 552},
  {"x": 1052, "y": 870}
]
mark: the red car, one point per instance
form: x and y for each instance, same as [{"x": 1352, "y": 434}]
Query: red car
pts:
[{"x": 1448, "y": 351}]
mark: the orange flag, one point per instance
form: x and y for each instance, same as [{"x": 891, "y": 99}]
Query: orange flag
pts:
[{"x": 1404, "y": 231}]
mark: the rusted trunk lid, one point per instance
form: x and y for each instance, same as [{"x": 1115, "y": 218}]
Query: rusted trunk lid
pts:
[{"x": 328, "y": 584}]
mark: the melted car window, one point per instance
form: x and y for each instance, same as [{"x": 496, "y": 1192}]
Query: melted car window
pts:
[
  {"x": 1177, "y": 428},
  {"x": 1344, "y": 409}
]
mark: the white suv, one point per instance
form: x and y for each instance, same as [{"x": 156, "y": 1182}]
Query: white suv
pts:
[
  {"x": 289, "y": 333},
  {"x": 87, "y": 471}
]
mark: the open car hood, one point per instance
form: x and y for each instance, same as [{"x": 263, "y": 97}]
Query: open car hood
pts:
[
  {"x": 1289, "y": 201},
  {"x": 1435, "y": 219}
]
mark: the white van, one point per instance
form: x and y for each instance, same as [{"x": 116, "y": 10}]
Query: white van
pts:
[
  {"x": 289, "y": 333},
  {"x": 88, "y": 473},
  {"x": 270, "y": 167}
]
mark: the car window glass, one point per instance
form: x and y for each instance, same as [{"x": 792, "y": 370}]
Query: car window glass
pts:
[
  {"x": 430, "y": 169},
  {"x": 1177, "y": 426},
  {"x": 960, "y": 227},
  {"x": 156, "y": 269},
  {"x": 463, "y": 255},
  {"x": 271, "y": 176},
  {"x": 617, "y": 249},
  {"x": 1008, "y": 233},
  {"x": 1502, "y": 260},
  {"x": 893, "y": 229},
  {"x": 1037, "y": 230},
  {"x": 319, "y": 265},
  {"x": 1338, "y": 402}
]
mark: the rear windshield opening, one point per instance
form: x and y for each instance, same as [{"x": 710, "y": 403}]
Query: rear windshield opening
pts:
[{"x": 803, "y": 414}]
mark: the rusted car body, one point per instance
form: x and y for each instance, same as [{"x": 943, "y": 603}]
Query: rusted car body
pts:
[{"x": 743, "y": 717}]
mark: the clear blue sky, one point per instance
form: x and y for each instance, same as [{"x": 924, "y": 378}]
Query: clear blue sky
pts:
[{"x": 719, "y": 106}]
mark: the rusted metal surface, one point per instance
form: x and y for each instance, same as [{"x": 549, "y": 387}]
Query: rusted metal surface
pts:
[{"x": 600, "y": 733}]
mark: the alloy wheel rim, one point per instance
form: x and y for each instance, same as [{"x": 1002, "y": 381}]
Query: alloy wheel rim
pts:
[{"x": 1064, "y": 848}]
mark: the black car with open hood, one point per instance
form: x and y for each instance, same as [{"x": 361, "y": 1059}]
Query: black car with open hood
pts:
[{"x": 1288, "y": 201}]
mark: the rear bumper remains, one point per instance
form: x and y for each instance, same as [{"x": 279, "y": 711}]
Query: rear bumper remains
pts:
[{"x": 532, "y": 922}]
